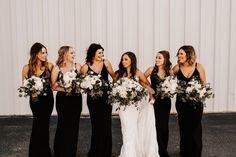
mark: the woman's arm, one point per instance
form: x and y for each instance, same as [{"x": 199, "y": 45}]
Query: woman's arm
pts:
[
  {"x": 175, "y": 69},
  {"x": 84, "y": 69},
  {"x": 50, "y": 66},
  {"x": 144, "y": 82},
  {"x": 25, "y": 71},
  {"x": 78, "y": 67},
  {"x": 202, "y": 73},
  {"x": 54, "y": 76},
  {"x": 148, "y": 72},
  {"x": 109, "y": 69}
]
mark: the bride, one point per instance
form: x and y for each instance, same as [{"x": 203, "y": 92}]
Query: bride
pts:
[{"x": 137, "y": 125}]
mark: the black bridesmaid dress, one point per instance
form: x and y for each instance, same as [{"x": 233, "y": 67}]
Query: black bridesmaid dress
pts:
[
  {"x": 100, "y": 115},
  {"x": 41, "y": 109},
  {"x": 162, "y": 108},
  {"x": 69, "y": 109},
  {"x": 189, "y": 118}
]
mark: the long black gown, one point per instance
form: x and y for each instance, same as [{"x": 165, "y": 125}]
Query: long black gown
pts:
[
  {"x": 162, "y": 112},
  {"x": 100, "y": 115},
  {"x": 69, "y": 109},
  {"x": 41, "y": 109},
  {"x": 189, "y": 117}
]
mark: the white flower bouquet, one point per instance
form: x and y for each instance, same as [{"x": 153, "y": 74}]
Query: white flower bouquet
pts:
[
  {"x": 69, "y": 81},
  {"x": 92, "y": 84},
  {"x": 126, "y": 91},
  {"x": 33, "y": 86},
  {"x": 194, "y": 91},
  {"x": 167, "y": 88}
]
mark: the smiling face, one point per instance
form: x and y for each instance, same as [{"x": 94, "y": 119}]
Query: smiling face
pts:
[
  {"x": 42, "y": 55},
  {"x": 182, "y": 57},
  {"x": 98, "y": 55},
  {"x": 160, "y": 60},
  {"x": 126, "y": 61},
  {"x": 70, "y": 55}
]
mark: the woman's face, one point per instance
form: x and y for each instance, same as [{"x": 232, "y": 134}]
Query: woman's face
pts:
[
  {"x": 159, "y": 59},
  {"x": 42, "y": 55},
  {"x": 70, "y": 55},
  {"x": 182, "y": 57},
  {"x": 98, "y": 55},
  {"x": 126, "y": 61}
]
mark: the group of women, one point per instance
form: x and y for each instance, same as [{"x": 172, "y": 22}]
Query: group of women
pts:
[{"x": 69, "y": 107}]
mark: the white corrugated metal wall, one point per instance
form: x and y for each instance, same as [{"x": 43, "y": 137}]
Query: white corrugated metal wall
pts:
[{"x": 142, "y": 26}]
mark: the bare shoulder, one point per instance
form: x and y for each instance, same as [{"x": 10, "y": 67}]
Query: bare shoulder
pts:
[
  {"x": 107, "y": 62},
  {"x": 150, "y": 69},
  {"x": 25, "y": 71},
  {"x": 139, "y": 73},
  {"x": 55, "y": 68},
  {"x": 200, "y": 66},
  {"x": 175, "y": 69},
  {"x": 50, "y": 66},
  {"x": 78, "y": 66},
  {"x": 84, "y": 68},
  {"x": 25, "y": 68}
]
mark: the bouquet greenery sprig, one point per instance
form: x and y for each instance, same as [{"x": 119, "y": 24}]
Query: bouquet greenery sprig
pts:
[
  {"x": 194, "y": 91},
  {"x": 34, "y": 86}
]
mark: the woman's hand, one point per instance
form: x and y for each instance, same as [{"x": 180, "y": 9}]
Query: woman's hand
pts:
[{"x": 152, "y": 100}]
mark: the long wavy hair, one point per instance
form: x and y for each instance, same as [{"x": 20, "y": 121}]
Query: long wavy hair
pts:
[
  {"x": 61, "y": 55},
  {"x": 190, "y": 53},
  {"x": 91, "y": 52},
  {"x": 122, "y": 70},
  {"x": 167, "y": 63},
  {"x": 34, "y": 50}
]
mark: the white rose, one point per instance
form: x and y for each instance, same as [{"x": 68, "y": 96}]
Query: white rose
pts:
[
  {"x": 38, "y": 85},
  {"x": 202, "y": 92},
  {"x": 123, "y": 94},
  {"x": 189, "y": 89}
]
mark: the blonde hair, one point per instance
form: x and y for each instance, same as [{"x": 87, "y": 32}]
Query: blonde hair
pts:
[{"x": 61, "y": 55}]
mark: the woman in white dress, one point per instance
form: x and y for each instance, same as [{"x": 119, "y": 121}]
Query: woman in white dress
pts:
[{"x": 137, "y": 125}]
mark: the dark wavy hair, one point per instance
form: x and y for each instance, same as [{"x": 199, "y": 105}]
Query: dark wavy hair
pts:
[
  {"x": 167, "y": 63},
  {"x": 34, "y": 50},
  {"x": 190, "y": 53},
  {"x": 122, "y": 70},
  {"x": 91, "y": 52}
]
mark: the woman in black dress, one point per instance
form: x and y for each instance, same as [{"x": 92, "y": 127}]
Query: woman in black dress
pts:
[
  {"x": 189, "y": 113},
  {"x": 99, "y": 109},
  {"x": 68, "y": 106},
  {"x": 162, "y": 105},
  {"x": 42, "y": 108}
]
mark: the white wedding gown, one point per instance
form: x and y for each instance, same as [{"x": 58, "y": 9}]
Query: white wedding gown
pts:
[{"x": 138, "y": 131}]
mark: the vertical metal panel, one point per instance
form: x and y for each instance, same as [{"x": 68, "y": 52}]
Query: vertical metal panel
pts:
[{"x": 142, "y": 26}]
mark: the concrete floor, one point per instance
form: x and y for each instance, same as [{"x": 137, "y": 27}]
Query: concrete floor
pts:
[{"x": 219, "y": 135}]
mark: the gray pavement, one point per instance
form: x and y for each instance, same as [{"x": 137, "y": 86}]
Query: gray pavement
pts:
[{"x": 219, "y": 135}]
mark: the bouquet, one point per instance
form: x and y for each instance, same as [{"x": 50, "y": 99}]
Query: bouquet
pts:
[
  {"x": 34, "y": 86},
  {"x": 69, "y": 81},
  {"x": 126, "y": 91},
  {"x": 93, "y": 85},
  {"x": 194, "y": 91},
  {"x": 167, "y": 88}
]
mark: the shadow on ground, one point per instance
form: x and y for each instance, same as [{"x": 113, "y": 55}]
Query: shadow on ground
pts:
[{"x": 219, "y": 135}]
